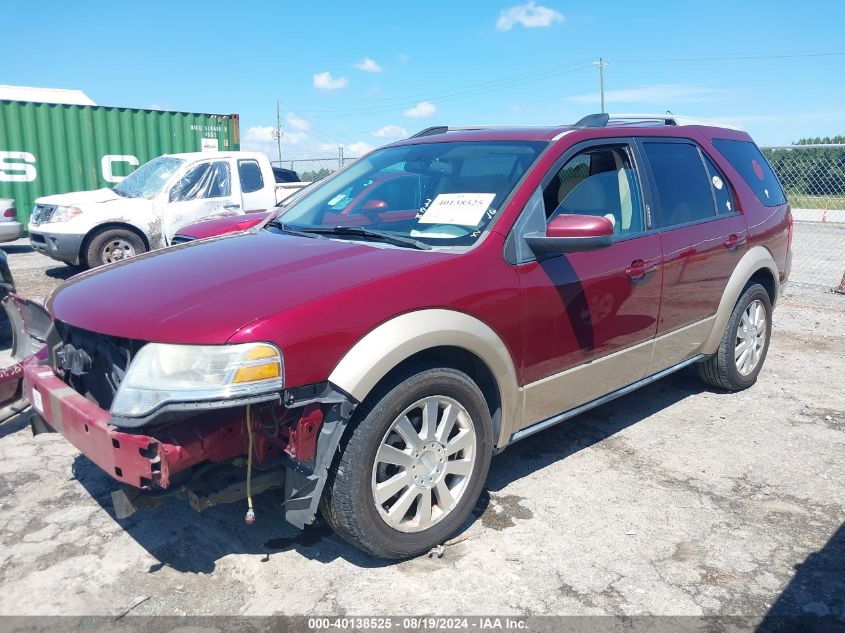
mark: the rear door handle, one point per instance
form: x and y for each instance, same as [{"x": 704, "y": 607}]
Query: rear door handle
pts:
[
  {"x": 232, "y": 205},
  {"x": 735, "y": 241},
  {"x": 639, "y": 269}
]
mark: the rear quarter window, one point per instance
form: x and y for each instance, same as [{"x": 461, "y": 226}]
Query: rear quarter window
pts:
[{"x": 748, "y": 160}]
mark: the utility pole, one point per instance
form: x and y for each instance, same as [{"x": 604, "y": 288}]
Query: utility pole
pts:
[
  {"x": 601, "y": 66},
  {"x": 278, "y": 133},
  {"x": 340, "y": 156}
]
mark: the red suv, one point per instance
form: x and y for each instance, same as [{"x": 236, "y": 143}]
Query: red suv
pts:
[{"x": 506, "y": 280}]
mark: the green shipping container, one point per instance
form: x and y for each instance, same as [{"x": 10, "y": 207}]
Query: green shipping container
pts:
[{"x": 49, "y": 148}]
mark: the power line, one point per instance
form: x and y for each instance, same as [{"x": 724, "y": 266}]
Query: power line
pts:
[
  {"x": 724, "y": 58},
  {"x": 457, "y": 95},
  {"x": 450, "y": 93}
]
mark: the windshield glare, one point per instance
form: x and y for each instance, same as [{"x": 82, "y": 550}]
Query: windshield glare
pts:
[
  {"x": 439, "y": 193},
  {"x": 148, "y": 180}
]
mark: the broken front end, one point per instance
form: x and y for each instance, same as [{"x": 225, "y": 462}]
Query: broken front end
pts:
[{"x": 213, "y": 424}]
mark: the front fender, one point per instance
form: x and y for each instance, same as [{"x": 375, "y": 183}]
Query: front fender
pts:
[
  {"x": 396, "y": 340},
  {"x": 757, "y": 258}
]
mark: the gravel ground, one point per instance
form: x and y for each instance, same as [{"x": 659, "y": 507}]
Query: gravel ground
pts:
[{"x": 674, "y": 500}]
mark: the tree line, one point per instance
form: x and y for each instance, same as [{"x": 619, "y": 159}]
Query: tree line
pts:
[{"x": 813, "y": 171}]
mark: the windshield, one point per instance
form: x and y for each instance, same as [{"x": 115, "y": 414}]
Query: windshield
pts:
[
  {"x": 442, "y": 194},
  {"x": 148, "y": 180}
]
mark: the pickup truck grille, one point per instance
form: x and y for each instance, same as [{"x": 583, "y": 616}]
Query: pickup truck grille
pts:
[
  {"x": 42, "y": 213},
  {"x": 91, "y": 364}
]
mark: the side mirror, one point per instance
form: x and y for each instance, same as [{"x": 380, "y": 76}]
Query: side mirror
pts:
[
  {"x": 568, "y": 233},
  {"x": 375, "y": 205}
]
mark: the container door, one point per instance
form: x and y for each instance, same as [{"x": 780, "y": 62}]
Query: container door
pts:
[{"x": 205, "y": 190}]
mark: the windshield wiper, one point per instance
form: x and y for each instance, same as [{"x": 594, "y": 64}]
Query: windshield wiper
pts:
[
  {"x": 289, "y": 229},
  {"x": 356, "y": 231}
]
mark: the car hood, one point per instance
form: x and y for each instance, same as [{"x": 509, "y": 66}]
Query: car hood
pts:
[
  {"x": 223, "y": 225},
  {"x": 80, "y": 197},
  {"x": 204, "y": 292}
]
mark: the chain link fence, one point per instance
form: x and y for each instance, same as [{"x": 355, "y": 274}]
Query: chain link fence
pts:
[
  {"x": 814, "y": 179},
  {"x": 311, "y": 169}
]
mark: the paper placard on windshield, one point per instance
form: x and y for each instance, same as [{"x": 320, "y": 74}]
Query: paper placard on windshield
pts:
[{"x": 463, "y": 209}]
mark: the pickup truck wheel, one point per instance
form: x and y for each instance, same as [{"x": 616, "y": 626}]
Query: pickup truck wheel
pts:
[
  {"x": 414, "y": 465},
  {"x": 113, "y": 245},
  {"x": 741, "y": 353}
]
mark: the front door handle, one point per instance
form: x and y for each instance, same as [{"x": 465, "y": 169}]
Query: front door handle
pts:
[
  {"x": 232, "y": 205},
  {"x": 639, "y": 269},
  {"x": 735, "y": 241}
]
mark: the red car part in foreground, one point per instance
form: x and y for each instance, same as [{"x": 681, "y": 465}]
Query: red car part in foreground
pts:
[{"x": 371, "y": 347}]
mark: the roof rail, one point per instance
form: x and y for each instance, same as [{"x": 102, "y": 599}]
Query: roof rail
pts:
[
  {"x": 669, "y": 119},
  {"x": 431, "y": 131},
  {"x": 603, "y": 120},
  {"x": 593, "y": 120}
]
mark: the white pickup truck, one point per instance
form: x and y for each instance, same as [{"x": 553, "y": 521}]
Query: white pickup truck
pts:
[{"x": 144, "y": 211}]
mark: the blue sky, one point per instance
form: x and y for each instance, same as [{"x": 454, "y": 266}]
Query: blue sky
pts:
[{"x": 361, "y": 74}]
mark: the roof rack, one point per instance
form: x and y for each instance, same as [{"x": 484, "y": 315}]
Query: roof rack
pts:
[
  {"x": 604, "y": 120},
  {"x": 442, "y": 129},
  {"x": 595, "y": 121}
]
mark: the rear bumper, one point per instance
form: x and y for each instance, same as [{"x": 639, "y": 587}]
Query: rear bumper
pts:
[
  {"x": 10, "y": 231},
  {"x": 61, "y": 246}
]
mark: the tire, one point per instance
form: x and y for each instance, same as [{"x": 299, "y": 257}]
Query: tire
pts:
[
  {"x": 724, "y": 368},
  {"x": 348, "y": 503},
  {"x": 111, "y": 245}
]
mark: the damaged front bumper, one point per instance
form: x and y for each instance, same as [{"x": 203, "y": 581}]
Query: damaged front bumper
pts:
[{"x": 200, "y": 456}]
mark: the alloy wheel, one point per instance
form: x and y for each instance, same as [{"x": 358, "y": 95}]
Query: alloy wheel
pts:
[
  {"x": 750, "y": 337},
  {"x": 424, "y": 463}
]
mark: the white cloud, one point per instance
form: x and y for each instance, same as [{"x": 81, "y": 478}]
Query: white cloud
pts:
[
  {"x": 529, "y": 15},
  {"x": 368, "y": 65},
  {"x": 403, "y": 57},
  {"x": 259, "y": 134},
  {"x": 422, "y": 110},
  {"x": 661, "y": 94},
  {"x": 325, "y": 81},
  {"x": 390, "y": 131},
  {"x": 359, "y": 148},
  {"x": 297, "y": 122}
]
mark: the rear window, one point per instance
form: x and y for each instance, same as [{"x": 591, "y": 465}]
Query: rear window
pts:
[
  {"x": 755, "y": 170},
  {"x": 250, "y": 174}
]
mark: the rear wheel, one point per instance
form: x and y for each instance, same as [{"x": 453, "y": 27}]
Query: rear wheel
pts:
[
  {"x": 113, "y": 245},
  {"x": 743, "y": 347},
  {"x": 414, "y": 465}
]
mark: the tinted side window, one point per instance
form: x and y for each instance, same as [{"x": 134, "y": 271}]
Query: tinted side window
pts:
[
  {"x": 683, "y": 187},
  {"x": 754, "y": 169},
  {"x": 721, "y": 189},
  {"x": 250, "y": 175},
  {"x": 599, "y": 181},
  {"x": 285, "y": 175}
]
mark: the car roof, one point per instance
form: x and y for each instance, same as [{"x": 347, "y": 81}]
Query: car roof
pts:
[
  {"x": 645, "y": 124},
  {"x": 204, "y": 155}
]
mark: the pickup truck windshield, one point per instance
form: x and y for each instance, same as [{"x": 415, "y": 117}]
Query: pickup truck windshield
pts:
[
  {"x": 440, "y": 194},
  {"x": 149, "y": 178}
]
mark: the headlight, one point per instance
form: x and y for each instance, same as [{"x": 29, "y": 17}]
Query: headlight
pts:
[
  {"x": 161, "y": 373},
  {"x": 63, "y": 214}
]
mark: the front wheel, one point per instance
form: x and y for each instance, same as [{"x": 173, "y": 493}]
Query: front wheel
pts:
[
  {"x": 113, "y": 245},
  {"x": 743, "y": 347},
  {"x": 414, "y": 465}
]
